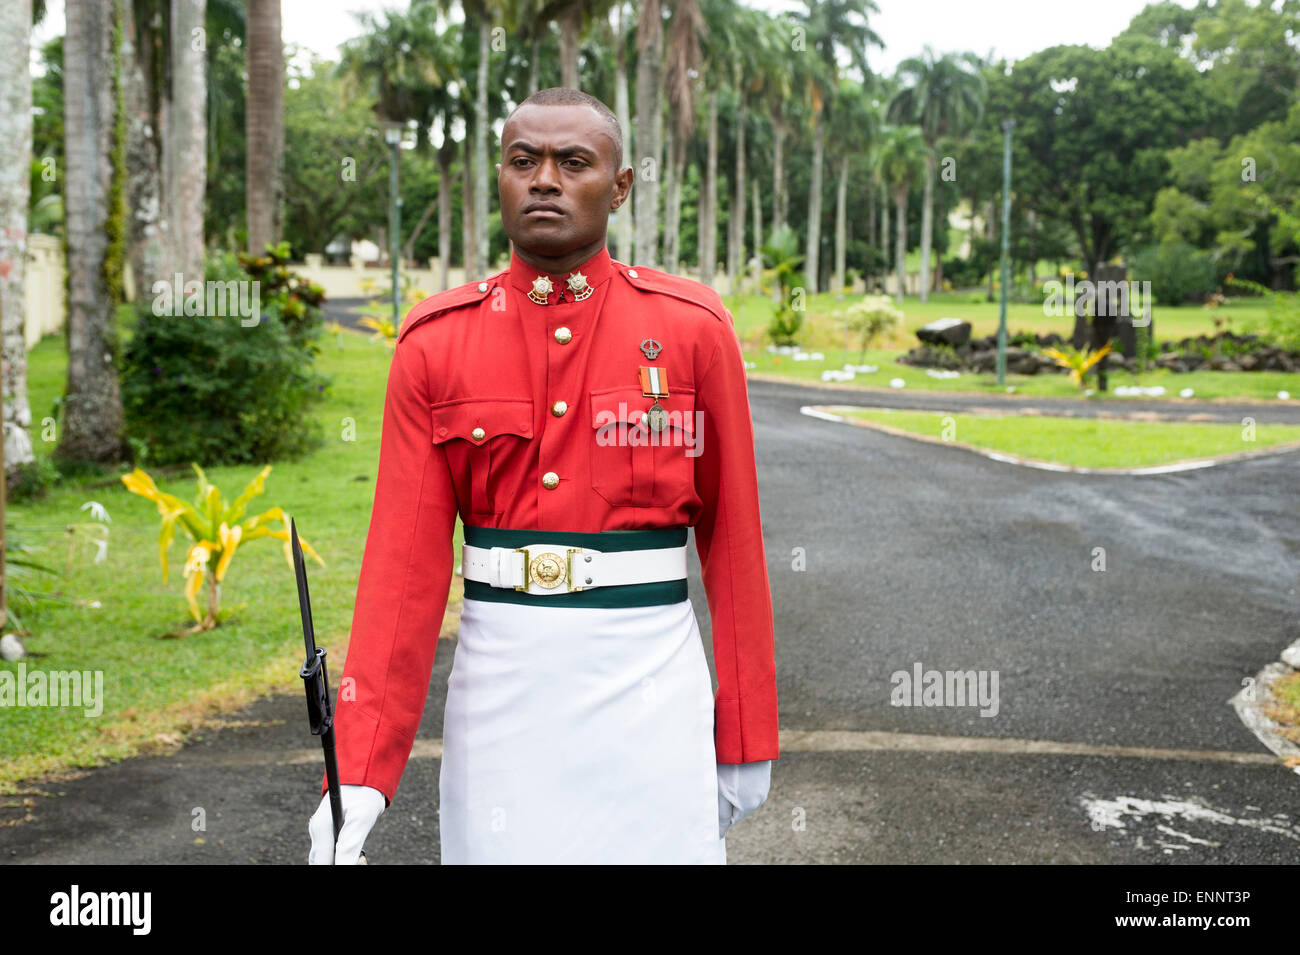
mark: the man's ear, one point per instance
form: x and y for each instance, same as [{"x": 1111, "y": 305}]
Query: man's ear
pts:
[{"x": 623, "y": 178}]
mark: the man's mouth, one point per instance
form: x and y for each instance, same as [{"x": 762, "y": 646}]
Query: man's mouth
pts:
[{"x": 544, "y": 212}]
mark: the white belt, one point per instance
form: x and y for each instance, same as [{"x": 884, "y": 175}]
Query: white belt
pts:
[{"x": 557, "y": 569}]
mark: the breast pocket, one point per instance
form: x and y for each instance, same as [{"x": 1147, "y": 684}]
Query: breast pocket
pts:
[
  {"x": 478, "y": 436},
  {"x": 632, "y": 464}
]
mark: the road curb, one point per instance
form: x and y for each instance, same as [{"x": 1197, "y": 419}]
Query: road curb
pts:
[{"x": 828, "y": 413}]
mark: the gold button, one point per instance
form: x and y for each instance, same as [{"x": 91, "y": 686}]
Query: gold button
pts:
[
  {"x": 550, "y": 480},
  {"x": 559, "y": 408},
  {"x": 478, "y": 434},
  {"x": 562, "y": 335}
]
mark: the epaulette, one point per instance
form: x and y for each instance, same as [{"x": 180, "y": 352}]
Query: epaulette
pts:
[
  {"x": 678, "y": 286},
  {"x": 435, "y": 305}
]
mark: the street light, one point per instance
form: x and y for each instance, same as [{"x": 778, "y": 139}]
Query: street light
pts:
[{"x": 393, "y": 136}]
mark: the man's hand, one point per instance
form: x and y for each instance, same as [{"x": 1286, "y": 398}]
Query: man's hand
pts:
[
  {"x": 742, "y": 788},
  {"x": 362, "y": 805}
]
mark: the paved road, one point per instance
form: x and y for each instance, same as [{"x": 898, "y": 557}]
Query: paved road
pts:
[{"x": 1111, "y": 684}]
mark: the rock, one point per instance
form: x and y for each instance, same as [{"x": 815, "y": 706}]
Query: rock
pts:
[
  {"x": 11, "y": 648},
  {"x": 945, "y": 331},
  {"x": 1291, "y": 657}
]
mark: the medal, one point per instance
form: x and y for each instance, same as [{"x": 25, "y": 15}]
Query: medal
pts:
[{"x": 654, "y": 384}]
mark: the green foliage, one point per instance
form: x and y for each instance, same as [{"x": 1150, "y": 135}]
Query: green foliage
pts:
[
  {"x": 780, "y": 260},
  {"x": 31, "y": 480},
  {"x": 1176, "y": 270},
  {"x": 1281, "y": 324},
  {"x": 208, "y": 388},
  {"x": 872, "y": 317}
]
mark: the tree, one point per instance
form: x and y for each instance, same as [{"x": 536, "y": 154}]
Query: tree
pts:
[
  {"x": 832, "y": 26},
  {"x": 264, "y": 180},
  {"x": 945, "y": 96},
  {"x": 901, "y": 160},
  {"x": 649, "y": 50},
  {"x": 15, "y": 193},
  {"x": 855, "y": 128},
  {"x": 185, "y": 145},
  {"x": 684, "y": 31},
  {"x": 93, "y": 422}
]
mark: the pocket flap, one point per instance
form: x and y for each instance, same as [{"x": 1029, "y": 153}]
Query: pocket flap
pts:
[{"x": 495, "y": 416}]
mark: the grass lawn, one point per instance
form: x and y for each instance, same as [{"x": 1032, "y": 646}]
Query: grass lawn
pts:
[
  {"x": 155, "y": 690},
  {"x": 1285, "y": 707},
  {"x": 1083, "y": 442},
  {"x": 822, "y": 333}
]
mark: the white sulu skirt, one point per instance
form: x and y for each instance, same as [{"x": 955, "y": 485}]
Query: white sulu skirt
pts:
[{"x": 579, "y": 735}]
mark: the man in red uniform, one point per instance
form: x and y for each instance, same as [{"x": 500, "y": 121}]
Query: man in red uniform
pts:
[{"x": 578, "y": 414}]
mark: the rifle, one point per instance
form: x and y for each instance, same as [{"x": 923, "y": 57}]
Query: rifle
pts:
[{"x": 316, "y": 683}]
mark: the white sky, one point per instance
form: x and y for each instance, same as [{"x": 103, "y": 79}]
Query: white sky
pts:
[{"x": 1014, "y": 28}]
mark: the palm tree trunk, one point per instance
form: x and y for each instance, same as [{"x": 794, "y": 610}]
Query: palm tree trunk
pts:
[
  {"x": 927, "y": 225},
  {"x": 480, "y": 146},
  {"x": 811, "y": 263},
  {"x": 185, "y": 147},
  {"x": 778, "y": 176},
  {"x": 625, "y": 233},
  {"x": 884, "y": 226},
  {"x": 900, "y": 238},
  {"x": 146, "y": 242},
  {"x": 649, "y": 30},
  {"x": 673, "y": 214},
  {"x": 758, "y": 230},
  {"x": 570, "y": 28},
  {"x": 15, "y": 194},
  {"x": 264, "y": 113},
  {"x": 533, "y": 65},
  {"x": 444, "y": 202},
  {"x": 469, "y": 240},
  {"x": 93, "y": 409},
  {"x": 736, "y": 220},
  {"x": 709, "y": 201},
  {"x": 841, "y": 226},
  {"x": 989, "y": 234}
]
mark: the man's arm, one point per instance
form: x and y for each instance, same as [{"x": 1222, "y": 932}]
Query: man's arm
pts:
[
  {"x": 729, "y": 538},
  {"x": 402, "y": 591}
]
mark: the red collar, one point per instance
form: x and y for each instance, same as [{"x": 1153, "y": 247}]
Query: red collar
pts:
[{"x": 595, "y": 270}]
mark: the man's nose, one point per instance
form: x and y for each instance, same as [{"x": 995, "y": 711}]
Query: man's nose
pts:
[{"x": 546, "y": 175}]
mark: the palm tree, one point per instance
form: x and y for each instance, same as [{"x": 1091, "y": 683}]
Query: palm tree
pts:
[
  {"x": 572, "y": 16},
  {"x": 945, "y": 95},
  {"x": 623, "y": 111},
  {"x": 717, "y": 47},
  {"x": 901, "y": 159},
  {"x": 264, "y": 112},
  {"x": 854, "y": 128},
  {"x": 684, "y": 31},
  {"x": 185, "y": 150},
  {"x": 649, "y": 49},
  {"x": 747, "y": 66},
  {"x": 832, "y": 25},
  {"x": 15, "y": 193},
  {"x": 93, "y": 421}
]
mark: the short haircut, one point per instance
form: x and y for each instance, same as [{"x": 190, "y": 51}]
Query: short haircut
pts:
[{"x": 567, "y": 96}]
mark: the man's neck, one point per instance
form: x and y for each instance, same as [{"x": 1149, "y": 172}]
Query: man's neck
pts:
[{"x": 557, "y": 266}]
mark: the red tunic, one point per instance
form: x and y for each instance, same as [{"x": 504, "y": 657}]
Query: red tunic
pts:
[{"x": 484, "y": 356}]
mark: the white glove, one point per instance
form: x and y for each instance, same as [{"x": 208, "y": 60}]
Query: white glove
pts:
[
  {"x": 361, "y": 807},
  {"x": 742, "y": 788}
]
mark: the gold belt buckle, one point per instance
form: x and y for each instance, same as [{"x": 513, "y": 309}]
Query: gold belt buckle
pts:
[{"x": 548, "y": 570}]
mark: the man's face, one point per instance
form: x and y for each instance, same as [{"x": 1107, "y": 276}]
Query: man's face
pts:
[{"x": 559, "y": 157}]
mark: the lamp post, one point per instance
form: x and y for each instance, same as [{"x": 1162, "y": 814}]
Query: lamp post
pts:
[{"x": 393, "y": 136}]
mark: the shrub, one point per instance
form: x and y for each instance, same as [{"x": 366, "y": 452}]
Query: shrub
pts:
[
  {"x": 209, "y": 388},
  {"x": 1177, "y": 271}
]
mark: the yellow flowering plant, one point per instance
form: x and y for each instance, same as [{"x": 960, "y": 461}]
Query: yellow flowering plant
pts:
[{"x": 216, "y": 531}]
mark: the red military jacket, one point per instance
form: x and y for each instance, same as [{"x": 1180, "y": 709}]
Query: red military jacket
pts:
[{"x": 492, "y": 397}]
